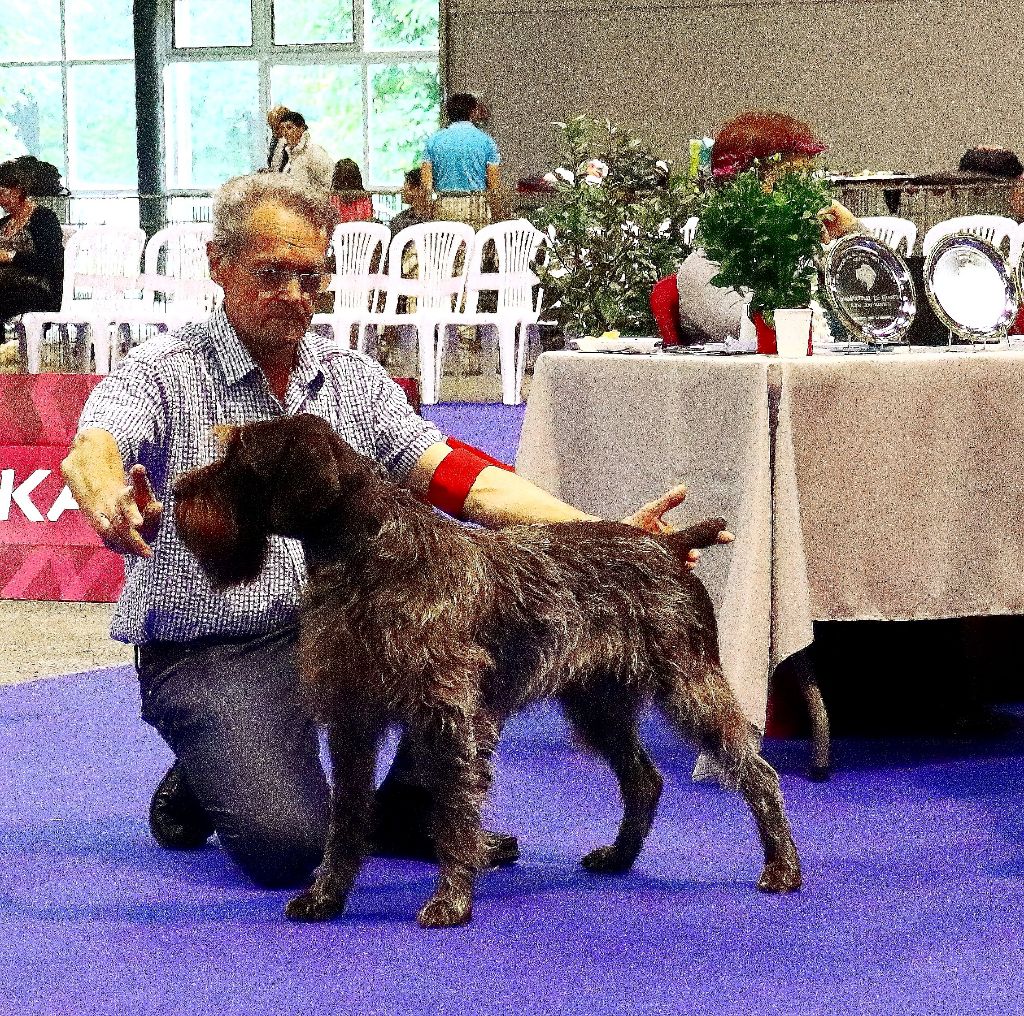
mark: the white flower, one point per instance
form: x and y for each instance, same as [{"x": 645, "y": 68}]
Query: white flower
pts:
[
  {"x": 594, "y": 171},
  {"x": 662, "y": 165},
  {"x": 550, "y": 178},
  {"x": 565, "y": 174}
]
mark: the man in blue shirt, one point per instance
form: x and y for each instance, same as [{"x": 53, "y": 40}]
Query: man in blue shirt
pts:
[{"x": 460, "y": 157}]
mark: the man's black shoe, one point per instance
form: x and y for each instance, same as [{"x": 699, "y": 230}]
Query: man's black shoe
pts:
[
  {"x": 176, "y": 818},
  {"x": 403, "y": 821}
]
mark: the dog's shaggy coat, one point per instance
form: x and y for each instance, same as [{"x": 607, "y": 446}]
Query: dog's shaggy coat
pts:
[{"x": 412, "y": 618}]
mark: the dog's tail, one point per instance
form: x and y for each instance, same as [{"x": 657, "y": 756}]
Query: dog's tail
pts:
[{"x": 695, "y": 537}]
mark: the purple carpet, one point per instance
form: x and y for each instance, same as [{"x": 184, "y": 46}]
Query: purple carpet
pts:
[
  {"x": 913, "y": 857},
  {"x": 913, "y": 863},
  {"x": 491, "y": 428}
]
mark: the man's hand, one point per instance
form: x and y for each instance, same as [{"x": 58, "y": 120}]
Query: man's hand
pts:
[
  {"x": 649, "y": 518},
  {"x": 837, "y": 221},
  {"x": 128, "y": 519}
]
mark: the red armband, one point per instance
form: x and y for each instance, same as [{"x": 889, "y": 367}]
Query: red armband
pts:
[
  {"x": 456, "y": 474},
  {"x": 454, "y": 442}
]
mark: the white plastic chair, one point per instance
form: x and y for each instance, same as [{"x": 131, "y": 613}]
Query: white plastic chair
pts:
[
  {"x": 892, "y": 231},
  {"x": 101, "y": 268},
  {"x": 1017, "y": 251},
  {"x": 175, "y": 284},
  {"x": 437, "y": 288},
  {"x": 359, "y": 252},
  {"x": 515, "y": 284},
  {"x": 690, "y": 230},
  {"x": 997, "y": 229}
]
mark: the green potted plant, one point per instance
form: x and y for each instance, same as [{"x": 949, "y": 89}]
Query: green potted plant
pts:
[
  {"x": 614, "y": 225},
  {"x": 764, "y": 231}
]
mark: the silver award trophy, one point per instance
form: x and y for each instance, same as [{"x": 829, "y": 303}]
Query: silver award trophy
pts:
[
  {"x": 870, "y": 289},
  {"x": 971, "y": 288}
]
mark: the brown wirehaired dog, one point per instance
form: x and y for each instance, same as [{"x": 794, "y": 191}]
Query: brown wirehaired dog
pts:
[{"x": 411, "y": 618}]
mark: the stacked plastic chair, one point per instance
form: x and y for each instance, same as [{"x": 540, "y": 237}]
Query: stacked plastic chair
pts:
[
  {"x": 359, "y": 252},
  {"x": 517, "y": 296},
  {"x": 442, "y": 252},
  {"x": 101, "y": 270}
]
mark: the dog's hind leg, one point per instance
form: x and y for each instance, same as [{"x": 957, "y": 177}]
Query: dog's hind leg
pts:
[
  {"x": 604, "y": 720},
  {"x": 452, "y": 769},
  {"x": 353, "y": 750},
  {"x": 705, "y": 708}
]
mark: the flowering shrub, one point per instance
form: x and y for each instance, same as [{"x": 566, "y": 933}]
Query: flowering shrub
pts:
[{"x": 614, "y": 227}]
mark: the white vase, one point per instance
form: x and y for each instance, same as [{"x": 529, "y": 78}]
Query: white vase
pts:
[{"x": 793, "y": 331}]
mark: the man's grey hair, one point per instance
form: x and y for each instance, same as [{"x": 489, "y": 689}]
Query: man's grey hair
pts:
[{"x": 235, "y": 201}]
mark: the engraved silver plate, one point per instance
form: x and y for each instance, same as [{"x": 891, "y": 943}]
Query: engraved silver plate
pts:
[
  {"x": 869, "y": 287},
  {"x": 970, "y": 288}
]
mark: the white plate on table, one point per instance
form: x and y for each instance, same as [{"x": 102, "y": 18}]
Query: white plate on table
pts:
[
  {"x": 710, "y": 349},
  {"x": 645, "y": 345},
  {"x": 846, "y": 348}
]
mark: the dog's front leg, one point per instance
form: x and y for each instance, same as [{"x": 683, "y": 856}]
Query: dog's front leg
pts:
[
  {"x": 450, "y": 765},
  {"x": 353, "y": 753}
]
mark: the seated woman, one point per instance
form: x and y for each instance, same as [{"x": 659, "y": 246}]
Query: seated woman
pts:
[
  {"x": 31, "y": 250},
  {"x": 709, "y": 313},
  {"x": 349, "y": 198}
]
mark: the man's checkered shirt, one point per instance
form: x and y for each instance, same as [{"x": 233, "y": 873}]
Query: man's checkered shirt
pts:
[{"x": 161, "y": 404}]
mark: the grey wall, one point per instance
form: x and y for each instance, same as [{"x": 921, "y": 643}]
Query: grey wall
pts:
[{"x": 905, "y": 86}]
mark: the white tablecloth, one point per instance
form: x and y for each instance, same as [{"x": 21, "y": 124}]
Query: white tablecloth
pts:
[{"x": 883, "y": 486}]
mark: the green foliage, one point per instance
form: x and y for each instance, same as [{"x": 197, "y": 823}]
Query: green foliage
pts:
[
  {"x": 32, "y": 114},
  {"x": 102, "y": 109},
  {"x": 30, "y": 30},
  {"x": 403, "y": 24},
  {"x": 405, "y": 101},
  {"x": 765, "y": 239},
  {"x": 614, "y": 227},
  {"x": 311, "y": 21}
]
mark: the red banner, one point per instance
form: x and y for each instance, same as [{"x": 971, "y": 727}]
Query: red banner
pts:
[{"x": 47, "y": 551}]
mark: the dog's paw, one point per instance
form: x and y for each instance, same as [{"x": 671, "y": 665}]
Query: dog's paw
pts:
[
  {"x": 445, "y": 912},
  {"x": 607, "y": 861},
  {"x": 313, "y": 906},
  {"x": 780, "y": 877}
]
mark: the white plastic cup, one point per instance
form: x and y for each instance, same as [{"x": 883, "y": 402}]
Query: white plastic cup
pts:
[{"x": 793, "y": 331}]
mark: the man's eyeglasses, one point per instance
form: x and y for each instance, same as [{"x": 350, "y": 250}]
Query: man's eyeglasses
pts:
[{"x": 273, "y": 279}]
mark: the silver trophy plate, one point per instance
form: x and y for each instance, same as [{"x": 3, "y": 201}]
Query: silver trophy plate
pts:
[
  {"x": 970, "y": 288},
  {"x": 869, "y": 287}
]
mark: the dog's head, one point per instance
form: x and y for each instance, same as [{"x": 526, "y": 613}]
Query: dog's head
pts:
[{"x": 275, "y": 476}]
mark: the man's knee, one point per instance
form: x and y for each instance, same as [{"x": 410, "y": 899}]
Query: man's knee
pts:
[{"x": 273, "y": 855}]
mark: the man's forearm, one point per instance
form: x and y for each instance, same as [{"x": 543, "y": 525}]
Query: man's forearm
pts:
[
  {"x": 501, "y": 498},
  {"x": 497, "y": 496}
]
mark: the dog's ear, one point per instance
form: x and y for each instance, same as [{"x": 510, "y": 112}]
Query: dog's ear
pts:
[
  {"x": 303, "y": 476},
  {"x": 225, "y": 539}
]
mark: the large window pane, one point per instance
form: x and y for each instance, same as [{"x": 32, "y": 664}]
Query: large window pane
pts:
[
  {"x": 101, "y": 126},
  {"x": 401, "y": 24},
  {"x": 309, "y": 21},
  {"x": 29, "y": 30},
  {"x": 212, "y": 122},
  {"x": 331, "y": 100},
  {"x": 32, "y": 114},
  {"x": 212, "y": 23},
  {"x": 98, "y": 29},
  {"x": 404, "y": 103}
]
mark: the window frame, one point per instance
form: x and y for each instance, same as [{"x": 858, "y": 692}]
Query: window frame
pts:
[
  {"x": 267, "y": 54},
  {"x": 64, "y": 64}
]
